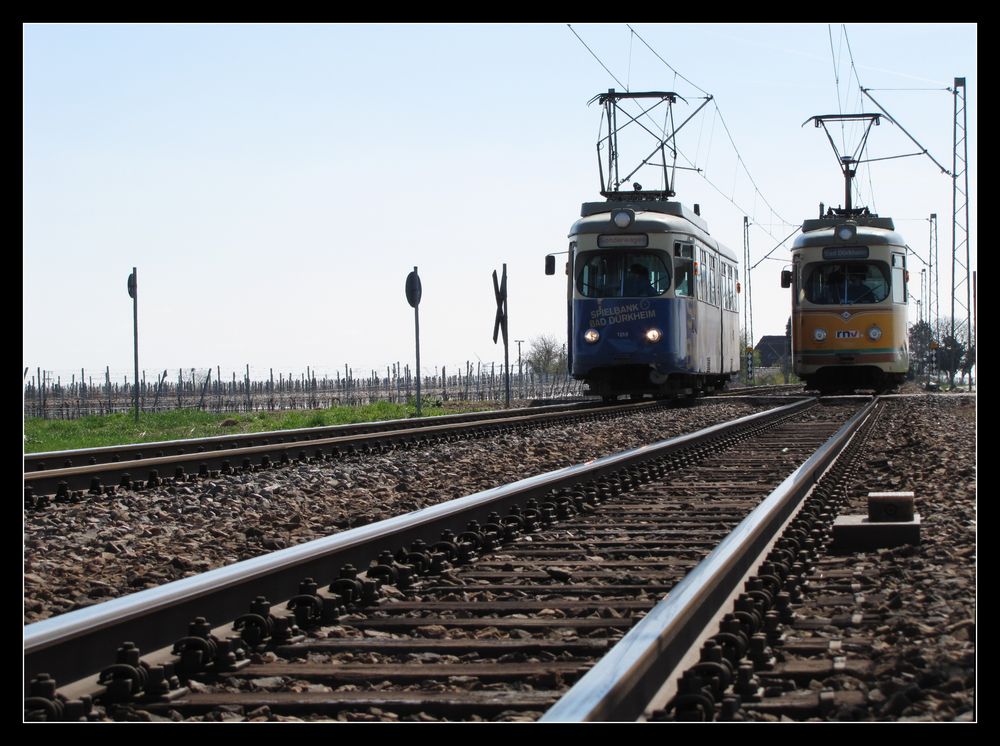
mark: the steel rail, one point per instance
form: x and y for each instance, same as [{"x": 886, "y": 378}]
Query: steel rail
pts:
[
  {"x": 624, "y": 682},
  {"x": 791, "y": 388},
  {"x": 80, "y": 643},
  {"x": 79, "y": 477}
]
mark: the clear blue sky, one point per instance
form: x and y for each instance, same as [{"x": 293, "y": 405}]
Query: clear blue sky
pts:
[{"x": 275, "y": 184}]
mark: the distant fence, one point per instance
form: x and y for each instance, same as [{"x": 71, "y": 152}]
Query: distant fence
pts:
[{"x": 46, "y": 395}]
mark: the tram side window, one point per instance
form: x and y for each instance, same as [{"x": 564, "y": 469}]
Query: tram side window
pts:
[
  {"x": 683, "y": 269},
  {"x": 898, "y": 278},
  {"x": 720, "y": 270},
  {"x": 713, "y": 282},
  {"x": 706, "y": 271},
  {"x": 701, "y": 275},
  {"x": 719, "y": 281}
]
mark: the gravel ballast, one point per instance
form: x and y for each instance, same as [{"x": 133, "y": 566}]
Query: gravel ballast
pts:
[
  {"x": 923, "y": 652},
  {"x": 80, "y": 554}
]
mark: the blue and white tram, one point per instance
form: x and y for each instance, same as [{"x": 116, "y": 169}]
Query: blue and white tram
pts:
[{"x": 652, "y": 300}]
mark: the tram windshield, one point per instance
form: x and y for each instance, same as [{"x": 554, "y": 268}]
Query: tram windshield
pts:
[
  {"x": 846, "y": 283},
  {"x": 622, "y": 274}
]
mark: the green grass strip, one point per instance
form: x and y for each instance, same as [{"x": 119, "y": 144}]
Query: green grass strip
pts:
[{"x": 116, "y": 429}]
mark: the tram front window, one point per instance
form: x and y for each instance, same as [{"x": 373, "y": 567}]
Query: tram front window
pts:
[
  {"x": 846, "y": 283},
  {"x": 622, "y": 274}
]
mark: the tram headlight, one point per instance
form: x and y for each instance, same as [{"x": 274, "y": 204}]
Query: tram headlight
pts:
[
  {"x": 591, "y": 335},
  {"x": 819, "y": 335},
  {"x": 874, "y": 333},
  {"x": 654, "y": 335},
  {"x": 623, "y": 218}
]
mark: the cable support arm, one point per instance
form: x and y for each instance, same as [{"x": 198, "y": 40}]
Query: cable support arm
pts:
[
  {"x": 892, "y": 157},
  {"x": 910, "y": 249},
  {"x": 768, "y": 254},
  {"x": 915, "y": 142}
]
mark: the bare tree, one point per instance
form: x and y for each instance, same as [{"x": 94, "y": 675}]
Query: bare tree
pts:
[
  {"x": 956, "y": 353},
  {"x": 921, "y": 348},
  {"x": 968, "y": 361},
  {"x": 546, "y": 354}
]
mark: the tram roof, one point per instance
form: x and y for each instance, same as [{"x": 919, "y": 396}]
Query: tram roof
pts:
[
  {"x": 651, "y": 216},
  {"x": 871, "y": 230},
  {"x": 662, "y": 207}
]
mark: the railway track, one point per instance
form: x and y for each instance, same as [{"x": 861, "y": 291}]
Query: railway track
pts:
[
  {"x": 786, "y": 389},
  {"x": 527, "y": 588},
  {"x": 858, "y": 631},
  {"x": 65, "y": 475}
]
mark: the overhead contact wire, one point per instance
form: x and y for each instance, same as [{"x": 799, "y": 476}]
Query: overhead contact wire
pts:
[
  {"x": 570, "y": 27},
  {"x": 679, "y": 151}
]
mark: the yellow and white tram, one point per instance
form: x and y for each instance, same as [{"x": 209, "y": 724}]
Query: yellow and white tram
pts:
[{"x": 849, "y": 299}]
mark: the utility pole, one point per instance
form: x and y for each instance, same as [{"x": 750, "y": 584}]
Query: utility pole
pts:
[
  {"x": 788, "y": 347},
  {"x": 747, "y": 304},
  {"x": 520, "y": 378},
  {"x": 960, "y": 217},
  {"x": 133, "y": 291}
]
